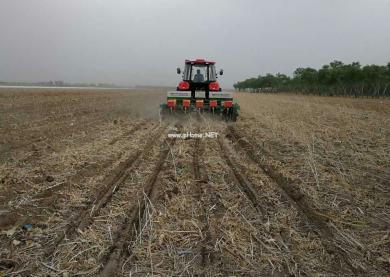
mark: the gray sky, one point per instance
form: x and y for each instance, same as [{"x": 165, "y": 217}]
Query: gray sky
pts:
[{"x": 133, "y": 42}]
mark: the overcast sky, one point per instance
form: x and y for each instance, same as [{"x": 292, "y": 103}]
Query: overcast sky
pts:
[{"x": 131, "y": 42}]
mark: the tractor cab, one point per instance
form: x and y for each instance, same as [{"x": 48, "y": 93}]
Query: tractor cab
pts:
[{"x": 199, "y": 75}]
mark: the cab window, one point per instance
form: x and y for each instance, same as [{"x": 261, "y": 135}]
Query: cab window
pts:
[{"x": 199, "y": 74}]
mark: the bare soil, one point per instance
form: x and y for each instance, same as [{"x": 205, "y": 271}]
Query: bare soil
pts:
[{"x": 91, "y": 184}]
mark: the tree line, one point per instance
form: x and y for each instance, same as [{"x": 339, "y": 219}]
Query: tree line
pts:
[{"x": 334, "y": 79}]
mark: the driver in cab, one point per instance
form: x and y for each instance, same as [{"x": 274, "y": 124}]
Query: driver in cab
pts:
[{"x": 198, "y": 78}]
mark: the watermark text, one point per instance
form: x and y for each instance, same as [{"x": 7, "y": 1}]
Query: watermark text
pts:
[{"x": 190, "y": 135}]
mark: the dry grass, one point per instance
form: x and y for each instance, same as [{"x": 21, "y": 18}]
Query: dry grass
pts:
[
  {"x": 59, "y": 147},
  {"x": 338, "y": 149}
]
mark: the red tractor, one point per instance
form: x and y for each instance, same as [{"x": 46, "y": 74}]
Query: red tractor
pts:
[{"x": 200, "y": 91}]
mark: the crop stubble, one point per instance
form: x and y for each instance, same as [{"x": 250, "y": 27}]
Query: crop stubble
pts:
[{"x": 114, "y": 196}]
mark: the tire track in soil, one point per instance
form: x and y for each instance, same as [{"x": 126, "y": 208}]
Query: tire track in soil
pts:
[
  {"x": 221, "y": 209},
  {"x": 38, "y": 210},
  {"x": 292, "y": 193},
  {"x": 202, "y": 183},
  {"x": 248, "y": 190},
  {"x": 122, "y": 249},
  {"x": 50, "y": 192},
  {"x": 113, "y": 183},
  {"x": 87, "y": 171},
  {"x": 36, "y": 156},
  {"x": 245, "y": 185},
  {"x": 258, "y": 205}
]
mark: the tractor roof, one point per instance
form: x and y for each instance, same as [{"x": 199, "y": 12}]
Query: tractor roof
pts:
[{"x": 199, "y": 61}]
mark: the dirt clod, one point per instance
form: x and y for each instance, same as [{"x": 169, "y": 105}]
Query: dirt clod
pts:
[{"x": 49, "y": 178}]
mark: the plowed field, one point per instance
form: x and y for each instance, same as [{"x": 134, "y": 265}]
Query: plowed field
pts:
[{"x": 93, "y": 183}]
